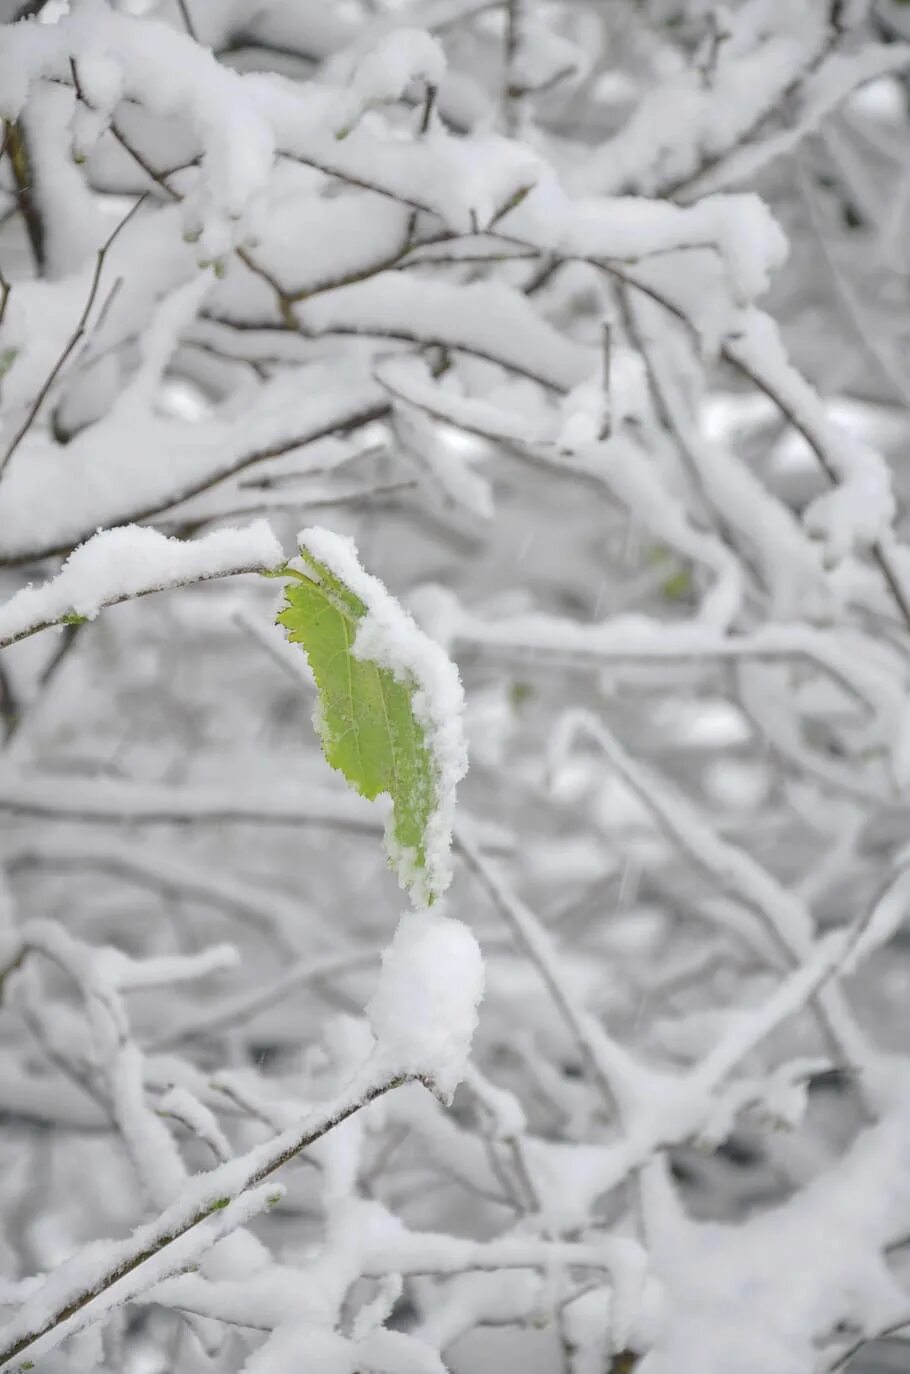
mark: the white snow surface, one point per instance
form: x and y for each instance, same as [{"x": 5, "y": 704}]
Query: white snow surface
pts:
[{"x": 402, "y": 56}]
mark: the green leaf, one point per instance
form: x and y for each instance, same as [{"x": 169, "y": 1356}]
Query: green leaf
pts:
[
  {"x": 678, "y": 587},
  {"x": 366, "y": 718},
  {"x": 519, "y": 692}
]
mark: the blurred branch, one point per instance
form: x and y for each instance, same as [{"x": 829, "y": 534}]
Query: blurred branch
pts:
[
  {"x": 787, "y": 921},
  {"x": 72, "y": 341},
  {"x": 16, "y": 145},
  {"x": 602, "y": 1056},
  {"x": 184, "y": 8}
]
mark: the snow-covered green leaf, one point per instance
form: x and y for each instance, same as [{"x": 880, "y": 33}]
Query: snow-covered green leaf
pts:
[{"x": 390, "y": 703}]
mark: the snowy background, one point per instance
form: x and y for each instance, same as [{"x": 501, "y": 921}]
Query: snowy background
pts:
[{"x": 589, "y": 322}]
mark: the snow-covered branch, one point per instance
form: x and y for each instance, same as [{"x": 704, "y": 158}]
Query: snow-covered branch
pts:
[{"x": 117, "y": 565}]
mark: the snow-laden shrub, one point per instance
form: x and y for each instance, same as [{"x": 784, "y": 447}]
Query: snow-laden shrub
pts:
[{"x": 586, "y": 320}]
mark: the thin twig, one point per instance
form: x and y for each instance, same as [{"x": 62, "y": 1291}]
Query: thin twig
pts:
[
  {"x": 5, "y": 289},
  {"x": 64, "y": 647},
  {"x": 607, "y": 341},
  {"x": 71, "y": 342},
  {"x": 184, "y": 8},
  {"x": 844, "y": 1358},
  {"x": 787, "y": 920},
  {"x": 19, "y": 158},
  {"x": 533, "y": 938},
  {"x": 426, "y": 117},
  {"x": 10, "y": 709},
  {"x": 512, "y": 92},
  {"x": 234, "y": 1011}
]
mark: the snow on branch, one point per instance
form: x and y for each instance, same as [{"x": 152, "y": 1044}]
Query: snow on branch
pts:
[
  {"x": 212, "y": 1205},
  {"x": 120, "y": 800},
  {"x": 118, "y": 57},
  {"x": 117, "y": 565},
  {"x": 493, "y": 322},
  {"x": 60, "y": 496},
  {"x": 630, "y": 228}
]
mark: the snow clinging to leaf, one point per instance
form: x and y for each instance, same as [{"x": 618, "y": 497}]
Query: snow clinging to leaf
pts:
[{"x": 388, "y": 637}]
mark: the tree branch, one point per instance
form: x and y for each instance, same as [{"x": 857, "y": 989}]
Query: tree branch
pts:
[
  {"x": 206, "y": 1196},
  {"x": 71, "y": 342}
]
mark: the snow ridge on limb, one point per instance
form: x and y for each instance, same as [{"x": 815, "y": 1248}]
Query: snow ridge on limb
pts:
[{"x": 117, "y": 565}]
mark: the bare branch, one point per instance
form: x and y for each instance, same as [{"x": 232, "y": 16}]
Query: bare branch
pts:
[{"x": 71, "y": 342}]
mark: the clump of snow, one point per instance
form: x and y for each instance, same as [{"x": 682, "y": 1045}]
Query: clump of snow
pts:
[
  {"x": 584, "y": 410},
  {"x": 402, "y": 56},
  {"x": 740, "y": 228},
  {"x": 861, "y": 507},
  {"x": 382, "y": 1351},
  {"x": 470, "y": 184},
  {"x": 117, "y": 564},
  {"x": 151, "y": 63},
  {"x": 545, "y": 57},
  {"x": 389, "y": 637},
  {"x": 384, "y": 73},
  {"x": 857, "y": 512},
  {"x": 587, "y": 1326},
  {"x": 424, "y": 1009}
]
